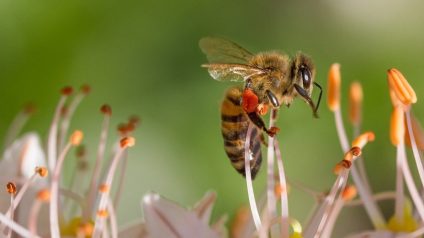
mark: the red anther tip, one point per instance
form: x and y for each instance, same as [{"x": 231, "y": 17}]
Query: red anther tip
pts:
[
  {"x": 67, "y": 90},
  {"x": 250, "y": 101},
  {"x": 11, "y": 188},
  {"x": 134, "y": 120},
  {"x": 106, "y": 109},
  {"x": 30, "y": 108}
]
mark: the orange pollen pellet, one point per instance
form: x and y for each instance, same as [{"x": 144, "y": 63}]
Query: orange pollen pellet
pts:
[
  {"x": 127, "y": 142},
  {"x": 102, "y": 213},
  {"x": 397, "y": 126},
  {"x": 401, "y": 87},
  {"x": 43, "y": 195},
  {"x": 334, "y": 81},
  {"x": 249, "y": 101},
  {"x": 103, "y": 188},
  {"x": 106, "y": 109},
  {"x": 76, "y": 137},
  {"x": 363, "y": 139},
  {"x": 66, "y": 91},
  {"x": 349, "y": 193},
  {"x": 355, "y": 101},
  {"x": 42, "y": 171},
  {"x": 85, "y": 89},
  {"x": 11, "y": 188}
]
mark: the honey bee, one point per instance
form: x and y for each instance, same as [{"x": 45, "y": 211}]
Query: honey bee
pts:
[{"x": 270, "y": 80}]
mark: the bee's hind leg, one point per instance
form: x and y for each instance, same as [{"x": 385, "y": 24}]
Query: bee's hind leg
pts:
[{"x": 257, "y": 120}]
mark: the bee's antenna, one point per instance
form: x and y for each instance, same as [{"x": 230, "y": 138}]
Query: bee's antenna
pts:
[{"x": 320, "y": 95}]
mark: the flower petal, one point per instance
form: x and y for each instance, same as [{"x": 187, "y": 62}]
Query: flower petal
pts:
[
  {"x": 204, "y": 207},
  {"x": 167, "y": 219},
  {"x": 22, "y": 157}
]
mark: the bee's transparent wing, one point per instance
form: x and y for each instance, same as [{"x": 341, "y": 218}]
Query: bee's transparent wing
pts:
[
  {"x": 232, "y": 72},
  {"x": 219, "y": 50}
]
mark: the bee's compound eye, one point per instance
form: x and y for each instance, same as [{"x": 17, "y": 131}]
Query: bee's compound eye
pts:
[{"x": 306, "y": 77}]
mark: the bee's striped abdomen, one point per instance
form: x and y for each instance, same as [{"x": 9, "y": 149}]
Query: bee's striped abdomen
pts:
[{"x": 234, "y": 124}]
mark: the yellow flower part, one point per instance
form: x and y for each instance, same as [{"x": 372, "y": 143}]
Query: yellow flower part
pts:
[
  {"x": 76, "y": 226},
  {"x": 296, "y": 235},
  {"x": 408, "y": 224}
]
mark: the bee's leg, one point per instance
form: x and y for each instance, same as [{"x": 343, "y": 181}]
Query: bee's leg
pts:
[
  {"x": 257, "y": 120},
  {"x": 263, "y": 141}
]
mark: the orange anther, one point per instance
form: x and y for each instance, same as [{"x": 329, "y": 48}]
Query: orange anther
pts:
[
  {"x": 42, "y": 171},
  {"x": 363, "y": 139},
  {"x": 127, "y": 142},
  {"x": 43, "y": 195},
  {"x": 250, "y": 101},
  {"x": 86, "y": 229},
  {"x": 11, "y": 188},
  {"x": 102, "y": 213},
  {"x": 397, "y": 126},
  {"x": 401, "y": 87},
  {"x": 349, "y": 193},
  {"x": 103, "y": 188},
  {"x": 355, "y": 103},
  {"x": 76, "y": 137},
  {"x": 334, "y": 81}
]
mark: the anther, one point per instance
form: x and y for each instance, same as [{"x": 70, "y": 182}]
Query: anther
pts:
[
  {"x": 397, "y": 126},
  {"x": 344, "y": 164},
  {"x": 355, "y": 103},
  {"x": 42, "y": 171},
  {"x": 85, "y": 89},
  {"x": 43, "y": 195},
  {"x": 76, "y": 138},
  {"x": 66, "y": 91},
  {"x": 363, "y": 139},
  {"x": 103, "y": 188},
  {"x": 106, "y": 109},
  {"x": 355, "y": 151},
  {"x": 80, "y": 151},
  {"x": 401, "y": 87},
  {"x": 334, "y": 81},
  {"x": 127, "y": 142},
  {"x": 349, "y": 193},
  {"x": 102, "y": 213},
  {"x": 11, "y": 188}
]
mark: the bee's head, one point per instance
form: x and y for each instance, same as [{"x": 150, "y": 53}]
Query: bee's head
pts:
[{"x": 302, "y": 73}]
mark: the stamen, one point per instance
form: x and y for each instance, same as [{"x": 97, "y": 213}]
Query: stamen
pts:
[
  {"x": 43, "y": 196},
  {"x": 52, "y": 137},
  {"x": 283, "y": 193},
  {"x": 355, "y": 103},
  {"x": 20, "y": 230},
  {"x": 334, "y": 81},
  {"x": 84, "y": 91},
  {"x": 75, "y": 140},
  {"x": 401, "y": 87},
  {"x": 250, "y": 192},
  {"x": 107, "y": 112},
  {"x": 415, "y": 151},
  {"x": 271, "y": 201},
  {"x": 363, "y": 139},
  {"x": 104, "y": 196},
  {"x": 18, "y": 123}
]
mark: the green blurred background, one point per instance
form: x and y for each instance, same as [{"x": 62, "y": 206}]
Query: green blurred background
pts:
[{"x": 142, "y": 57}]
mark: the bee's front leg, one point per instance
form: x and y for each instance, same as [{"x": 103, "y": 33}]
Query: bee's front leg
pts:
[
  {"x": 257, "y": 120},
  {"x": 250, "y": 103}
]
